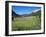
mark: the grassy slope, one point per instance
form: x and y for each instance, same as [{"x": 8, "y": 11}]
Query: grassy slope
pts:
[{"x": 26, "y": 23}]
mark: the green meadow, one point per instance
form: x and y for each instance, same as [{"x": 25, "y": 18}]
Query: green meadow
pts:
[{"x": 26, "y": 23}]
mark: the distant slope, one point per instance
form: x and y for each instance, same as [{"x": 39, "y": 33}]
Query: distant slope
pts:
[
  {"x": 38, "y": 13},
  {"x": 14, "y": 14}
]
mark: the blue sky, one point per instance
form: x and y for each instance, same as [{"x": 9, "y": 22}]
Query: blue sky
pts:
[{"x": 24, "y": 9}]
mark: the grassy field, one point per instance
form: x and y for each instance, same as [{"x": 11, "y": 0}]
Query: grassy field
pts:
[{"x": 26, "y": 23}]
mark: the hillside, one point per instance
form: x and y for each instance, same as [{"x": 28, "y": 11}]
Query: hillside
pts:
[{"x": 38, "y": 13}]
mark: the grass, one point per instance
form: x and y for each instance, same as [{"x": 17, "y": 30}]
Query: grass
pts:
[{"x": 26, "y": 23}]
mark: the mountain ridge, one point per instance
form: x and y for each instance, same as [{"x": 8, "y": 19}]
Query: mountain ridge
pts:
[{"x": 17, "y": 15}]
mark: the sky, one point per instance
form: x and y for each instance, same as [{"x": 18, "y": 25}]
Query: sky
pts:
[{"x": 24, "y": 9}]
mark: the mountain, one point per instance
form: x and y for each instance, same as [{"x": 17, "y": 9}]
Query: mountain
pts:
[
  {"x": 14, "y": 14},
  {"x": 36, "y": 10},
  {"x": 34, "y": 13}
]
